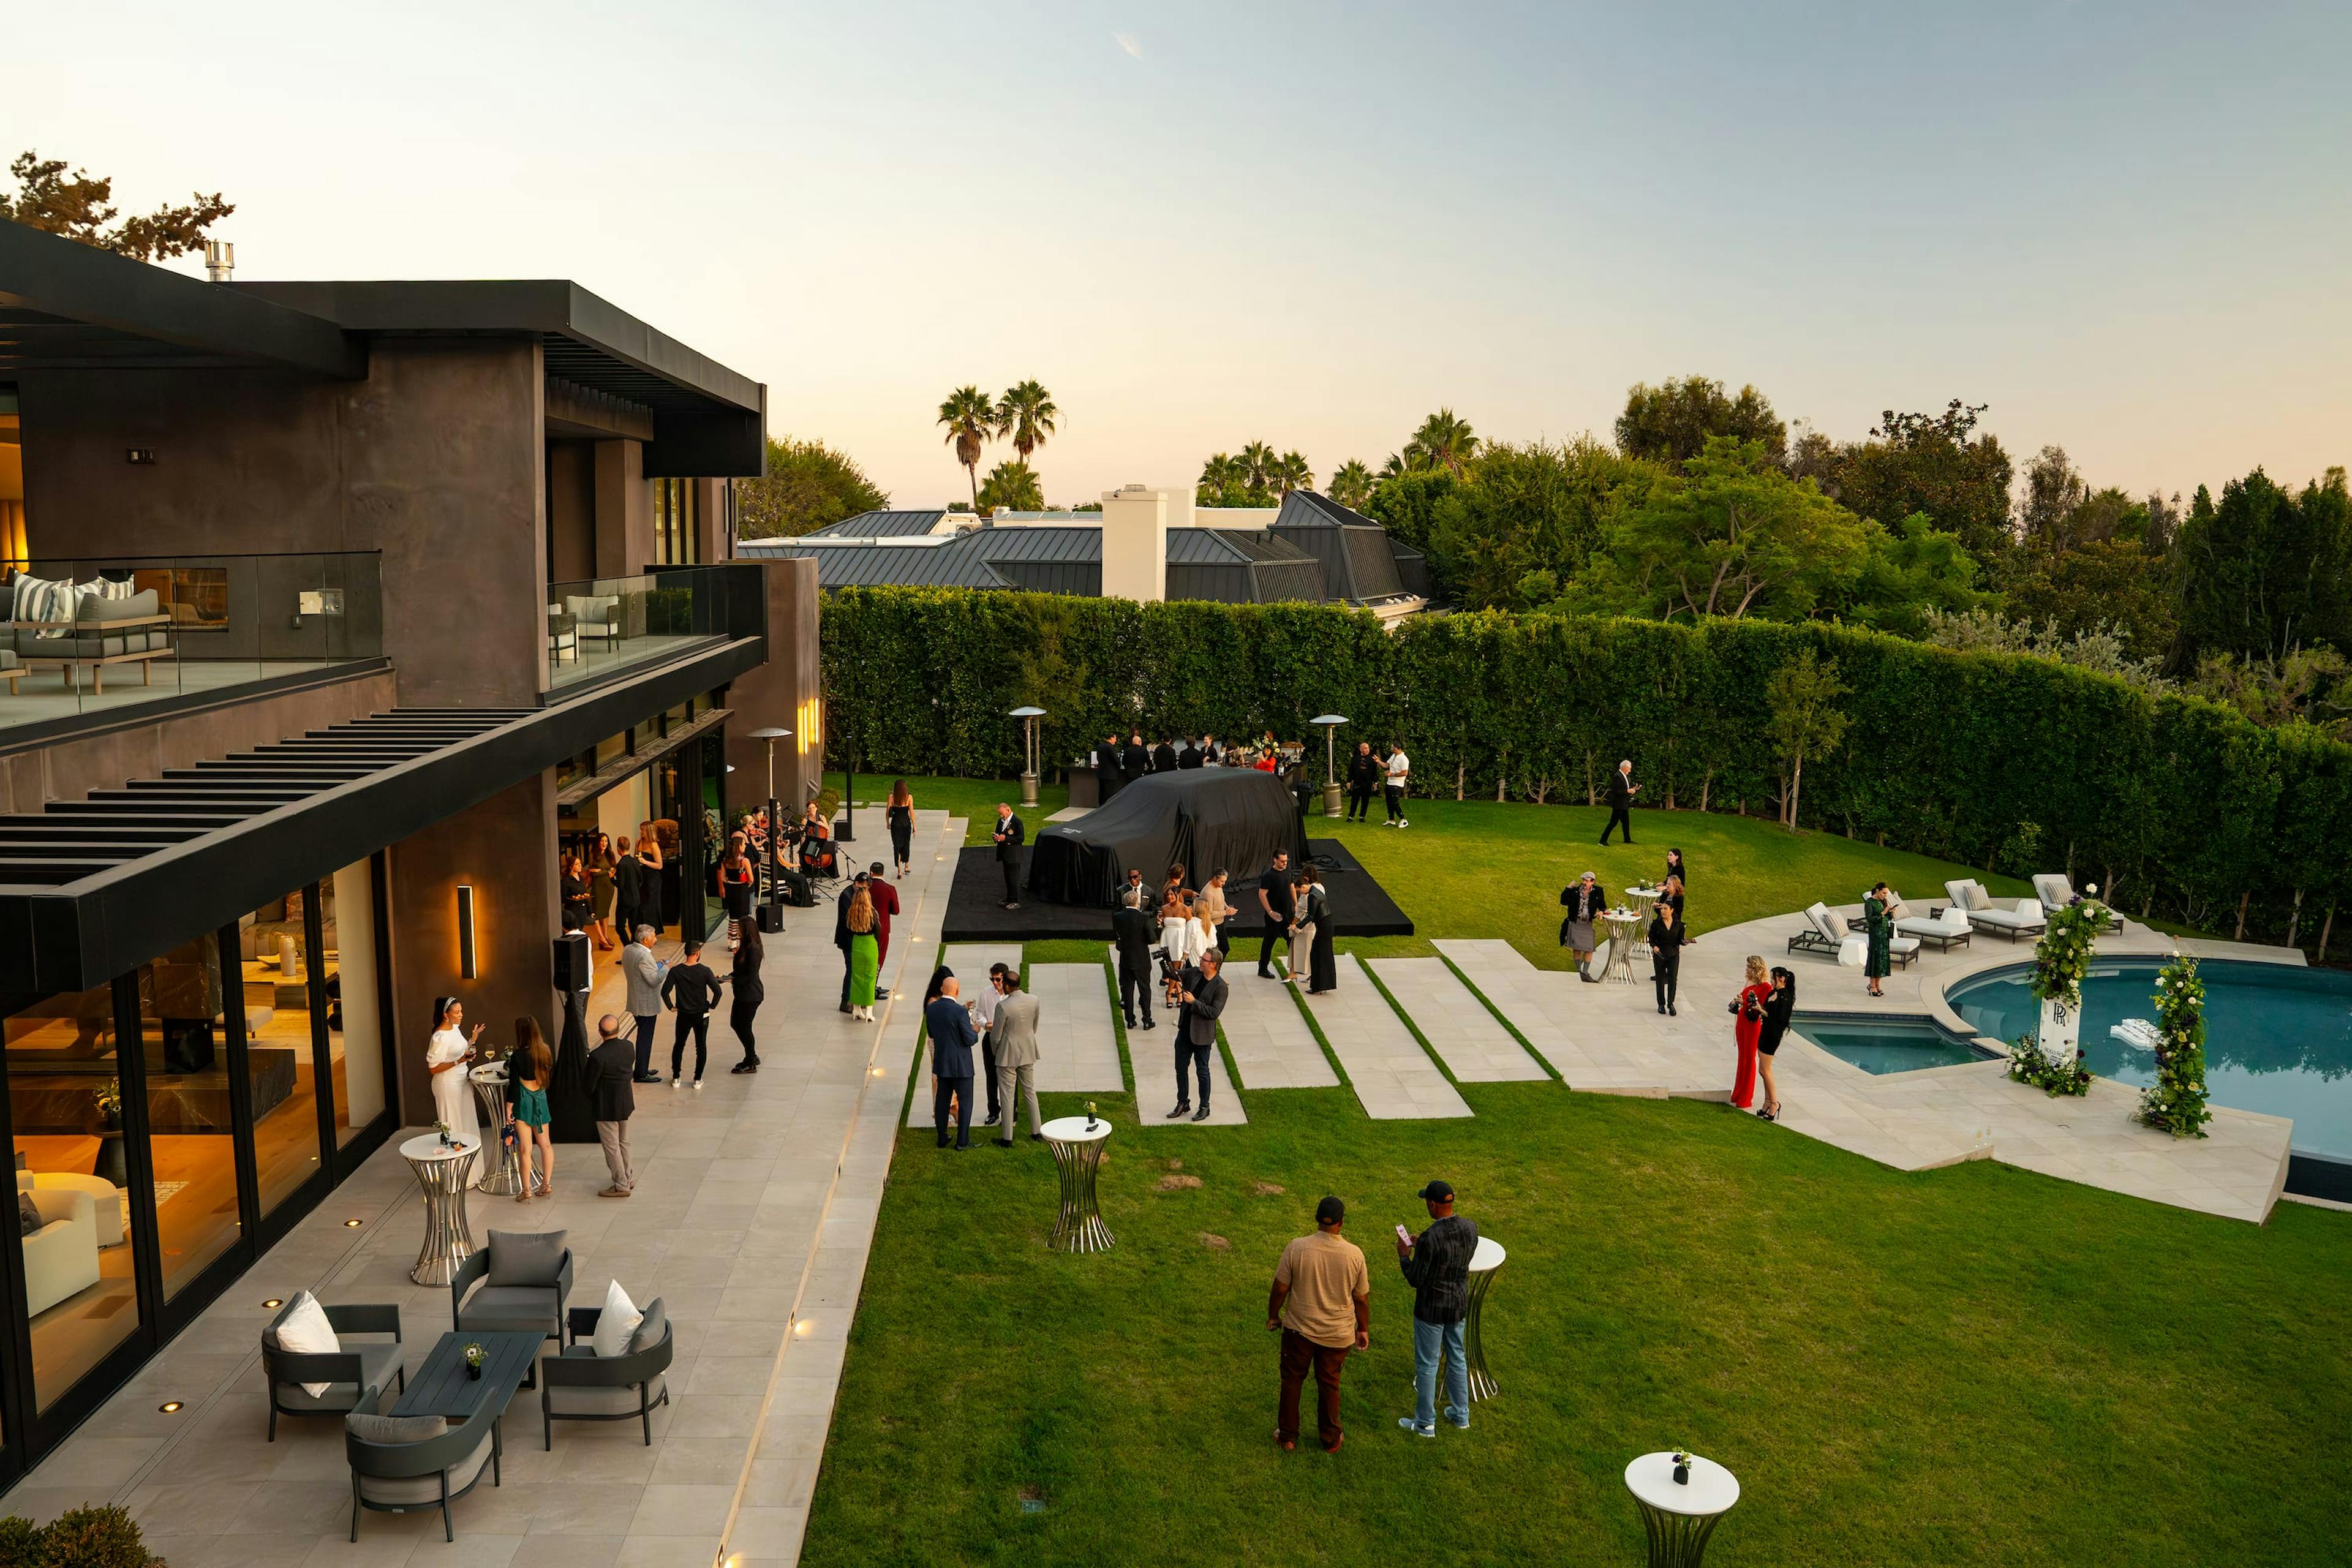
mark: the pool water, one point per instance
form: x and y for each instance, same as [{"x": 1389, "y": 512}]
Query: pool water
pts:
[
  {"x": 2278, "y": 1039},
  {"x": 1885, "y": 1047}
]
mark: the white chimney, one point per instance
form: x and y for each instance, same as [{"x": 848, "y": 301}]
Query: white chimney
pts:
[
  {"x": 1135, "y": 523},
  {"x": 220, "y": 259}
]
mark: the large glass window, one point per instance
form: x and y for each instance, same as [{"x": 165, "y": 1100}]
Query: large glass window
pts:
[
  {"x": 191, "y": 1125},
  {"x": 274, "y": 961},
  {"x": 354, "y": 1011},
  {"x": 64, "y": 1100}
]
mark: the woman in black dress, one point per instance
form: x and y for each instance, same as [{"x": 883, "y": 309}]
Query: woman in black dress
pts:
[
  {"x": 1322, "y": 958},
  {"x": 749, "y": 993},
  {"x": 1778, "y": 1006},
  {"x": 902, "y": 827},
  {"x": 1676, "y": 867},
  {"x": 575, "y": 893},
  {"x": 1665, "y": 953}
]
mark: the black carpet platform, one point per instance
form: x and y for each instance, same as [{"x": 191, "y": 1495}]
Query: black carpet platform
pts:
[{"x": 976, "y": 909}]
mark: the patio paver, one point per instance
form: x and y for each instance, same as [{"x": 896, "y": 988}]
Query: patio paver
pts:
[
  {"x": 1475, "y": 1046},
  {"x": 1394, "y": 1077}
]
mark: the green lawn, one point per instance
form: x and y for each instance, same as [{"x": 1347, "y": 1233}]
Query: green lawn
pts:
[{"x": 1967, "y": 1365}]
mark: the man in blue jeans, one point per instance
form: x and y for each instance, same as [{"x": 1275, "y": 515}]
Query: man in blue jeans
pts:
[{"x": 1437, "y": 1265}]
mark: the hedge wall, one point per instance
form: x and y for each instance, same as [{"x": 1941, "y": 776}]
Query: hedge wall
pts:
[{"x": 2179, "y": 806}]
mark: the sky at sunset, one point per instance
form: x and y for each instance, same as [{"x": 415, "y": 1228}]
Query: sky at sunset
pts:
[{"x": 2125, "y": 227}]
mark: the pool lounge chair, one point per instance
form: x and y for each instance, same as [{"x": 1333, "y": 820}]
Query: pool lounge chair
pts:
[
  {"x": 1825, "y": 932},
  {"x": 2056, "y": 890},
  {"x": 1946, "y": 927},
  {"x": 2023, "y": 918}
]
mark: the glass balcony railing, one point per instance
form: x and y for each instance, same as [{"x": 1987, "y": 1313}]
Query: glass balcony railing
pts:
[
  {"x": 94, "y": 634},
  {"x": 604, "y": 624}
]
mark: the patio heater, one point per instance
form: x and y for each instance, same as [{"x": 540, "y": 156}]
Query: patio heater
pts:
[
  {"x": 771, "y": 912},
  {"x": 1028, "y": 716},
  {"x": 1330, "y": 723}
]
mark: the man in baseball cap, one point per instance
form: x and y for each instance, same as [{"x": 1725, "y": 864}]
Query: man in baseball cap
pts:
[
  {"x": 1321, "y": 1303},
  {"x": 1436, "y": 1264}
]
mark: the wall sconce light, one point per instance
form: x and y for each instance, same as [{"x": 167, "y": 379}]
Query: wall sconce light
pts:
[
  {"x": 139, "y": 455},
  {"x": 466, "y": 931}
]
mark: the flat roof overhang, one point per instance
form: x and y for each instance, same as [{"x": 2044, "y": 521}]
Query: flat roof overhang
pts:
[
  {"x": 92, "y": 888},
  {"x": 68, "y": 306}
]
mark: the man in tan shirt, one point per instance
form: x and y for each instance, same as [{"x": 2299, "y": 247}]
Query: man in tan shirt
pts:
[{"x": 1321, "y": 1303}]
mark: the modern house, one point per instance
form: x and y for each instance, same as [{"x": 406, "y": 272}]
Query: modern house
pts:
[
  {"x": 1146, "y": 543},
  {"x": 330, "y": 610}
]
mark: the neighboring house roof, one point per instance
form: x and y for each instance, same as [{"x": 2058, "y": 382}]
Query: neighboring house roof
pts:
[{"x": 876, "y": 525}]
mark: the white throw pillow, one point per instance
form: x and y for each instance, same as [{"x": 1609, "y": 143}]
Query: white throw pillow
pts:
[
  {"x": 305, "y": 1331},
  {"x": 44, "y": 599},
  {"x": 617, "y": 1322}
]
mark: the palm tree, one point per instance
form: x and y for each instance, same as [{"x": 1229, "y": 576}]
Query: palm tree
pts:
[
  {"x": 1259, "y": 466},
  {"x": 1026, "y": 414},
  {"x": 1291, "y": 473},
  {"x": 971, "y": 419},
  {"x": 1012, "y": 485},
  {"x": 1352, "y": 485},
  {"x": 1445, "y": 441}
]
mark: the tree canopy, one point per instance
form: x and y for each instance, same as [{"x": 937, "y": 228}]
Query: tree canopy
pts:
[
  {"x": 1670, "y": 423},
  {"x": 80, "y": 205},
  {"x": 1012, "y": 486},
  {"x": 1932, "y": 464},
  {"x": 807, "y": 486}
]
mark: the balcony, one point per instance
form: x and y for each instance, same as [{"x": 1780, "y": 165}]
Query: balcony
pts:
[
  {"x": 605, "y": 627},
  {"x": 95, "y": 637}
]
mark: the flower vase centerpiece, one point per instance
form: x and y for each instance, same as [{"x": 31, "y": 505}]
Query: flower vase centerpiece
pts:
[
  {"x": 106, "y": 1099},
  {"x": 1682, "y": 1467},
  {"x": 473, "y": 1357},
  {"x": 2051, "y": 1058},
  {"x": 441, "y": 1131},
  {"x": 1090, "y": 1115}
]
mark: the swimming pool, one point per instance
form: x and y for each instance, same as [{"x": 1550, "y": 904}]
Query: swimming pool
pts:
[
  {"x": 1886, "y": 1046},
  {"x": 2278, "y": 1039}
]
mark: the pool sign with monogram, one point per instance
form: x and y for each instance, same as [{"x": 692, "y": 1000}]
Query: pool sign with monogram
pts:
[{"x": 2060, "y": 1033}]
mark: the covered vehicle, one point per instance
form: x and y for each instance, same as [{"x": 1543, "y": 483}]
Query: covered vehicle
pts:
[{"x": 1204, "y": 817}]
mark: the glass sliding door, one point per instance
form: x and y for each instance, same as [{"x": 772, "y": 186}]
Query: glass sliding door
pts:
[
  {"x": 184, "y": 1040},
  {"x": 354, "y": 999},
  {"x": 64, "y": 1100},
  {"x": 275, "y": 964},
  {"x": 712, "y": 749}
]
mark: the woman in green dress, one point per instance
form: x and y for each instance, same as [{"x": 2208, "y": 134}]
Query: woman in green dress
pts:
[
  {"x": 864, "y": 956},
  {"x": 1879, "y": 925}
]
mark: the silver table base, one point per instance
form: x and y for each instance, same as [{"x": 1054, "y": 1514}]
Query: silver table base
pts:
[
  {"x": 1474, "y": 1351},
  {"x": 503, "y": 1178},
  {"x": 448, "y": 1239},
  {"x": 1078, "y": 1227},
  {"x": 1677, "y": 1540}
]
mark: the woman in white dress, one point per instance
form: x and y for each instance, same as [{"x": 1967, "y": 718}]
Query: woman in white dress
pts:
[{"x": 445, "y": 1059}]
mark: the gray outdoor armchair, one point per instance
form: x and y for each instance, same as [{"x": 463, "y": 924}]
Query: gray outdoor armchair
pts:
[
  {"x": 354, "y": 1374},
  {"x": 413, "y": 1464},
  {"x": 581, "y": 1386},
  {"x": 529, "y": 1279}
]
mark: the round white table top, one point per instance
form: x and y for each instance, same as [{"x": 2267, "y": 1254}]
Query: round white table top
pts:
[
  {"x": 1645, "y": 892},
  {"x": 428, "y": 1146},
  {"x": 1712, "y": 1489},
  {"x": 489, "y": 1072},
  {"x": 1073, "y": 1130},
  {"x": 1487, "y": 1254}
]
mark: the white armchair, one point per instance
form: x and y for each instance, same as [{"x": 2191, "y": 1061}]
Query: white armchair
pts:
[
  {"x": 595, "y": 615},
  {"x": 105, "y": 1197},
  {"x": 61, "y": 1257}
]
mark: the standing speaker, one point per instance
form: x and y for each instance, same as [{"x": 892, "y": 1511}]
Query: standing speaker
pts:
[
  {"x": 572, "y": 967},
  {"x": 772, "y": 919}
]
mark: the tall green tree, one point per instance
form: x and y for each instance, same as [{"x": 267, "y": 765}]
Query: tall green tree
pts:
[
  {"x": 1905, "y": 571},
  {"x": 2265, "y": 573},
  {"x": 80, "y": 205},
  {"x": 1352, "y": 485},
  {"x": 1801, "y": 702},
  {"x": 1260, "y": 466},
  {"x": 1933, "y": 464},
  {"x": 1670, "y": 423},
  {"x": 1443, "y": 441},
  {"x": 1012, "y": 485},
  {"x": 1292, "y": 472},
  {"x": 807, "y": 486},
  {"x": 1025, "y": 415},
  {"x": 1731, "y": 536},
  {"x": 970, "y": 415}
]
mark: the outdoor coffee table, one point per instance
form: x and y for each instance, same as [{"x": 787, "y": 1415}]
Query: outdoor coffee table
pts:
[
  {"x": 440, "y": 1387},
  {"x": 1624, "y": 934},
  {"x": 1485, "y": 1260},
  {"x": 504, "y": 1178},
  {"x": 1077, "y": 1150},
  {"x": 1680, "y": 1518},
  {"x": 442, "y": 1172}
]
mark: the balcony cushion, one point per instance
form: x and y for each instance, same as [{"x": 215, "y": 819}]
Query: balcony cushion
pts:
[
  {"x": 395, "y": 1428},
  {"x": 124, "y": 606},
  {"x": 379, "y": 1365},
  {"x": 526, "y": 1256},
  {"x": 510, "y": 1309},
  {"x": 414, "y": 1490},
  {"x": 569, "y": 1399},
  {"x": 43, "y": 599}
]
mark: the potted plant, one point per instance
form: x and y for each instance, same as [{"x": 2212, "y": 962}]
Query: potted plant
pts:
[
  {"x": 1682, "y": 1467},
  {"x": 474, "y": 1355},
  {"x": 441, "y": 1131},
  {"x": 107, "y": 1098}
]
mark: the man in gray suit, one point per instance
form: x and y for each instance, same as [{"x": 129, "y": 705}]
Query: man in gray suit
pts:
[
  {"x": 644, "y": 973},
  {"x": 1016, "y": 1054},
  {"x": 1196, "y": 1029}
]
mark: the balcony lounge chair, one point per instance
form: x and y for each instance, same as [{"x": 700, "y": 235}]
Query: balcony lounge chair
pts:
[
  {"x": 354, "y": 1374},
  {"x": 529, "y": 1278},
  {"x": 2023, "y": 918},
  {"x": 581, "y": 1386},
  {"x": 413, "y": 1464}
]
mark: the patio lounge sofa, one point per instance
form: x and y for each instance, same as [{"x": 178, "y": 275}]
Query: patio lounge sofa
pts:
[
  {"x": 2023, "y": 919},
  {"x": 136, "y": 630},
  {"x": 581, "y": 1386},
  {"x": 61, "y": 1256}
]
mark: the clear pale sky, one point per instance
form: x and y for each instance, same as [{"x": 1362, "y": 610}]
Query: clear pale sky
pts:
[{"x": 2124, "y": 226}]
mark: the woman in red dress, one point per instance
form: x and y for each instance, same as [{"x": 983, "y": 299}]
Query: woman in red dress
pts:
[{"x": 1747, "y": 1014}]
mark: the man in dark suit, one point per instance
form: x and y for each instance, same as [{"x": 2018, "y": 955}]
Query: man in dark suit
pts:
[
  {"x": 1191, "y": 756},
  {"x": 1109, "y": 773},
  {"x": 1363, "y": 777},
  {"x": 841, "y": 930},
  {"x": 1138, "y": 760},
  {"x": 611, "y": 1066},
  {"x": 952, "y": 1039},
  {"x": 1203, "y": 996},
  {"x": 1134, "y": 929},
  {"x": 1163, "y": 757},
  {"x": 1279, "y": 905},
  {"x": 1008, "y": 838},
  {"x": 1622, "y": 790}
]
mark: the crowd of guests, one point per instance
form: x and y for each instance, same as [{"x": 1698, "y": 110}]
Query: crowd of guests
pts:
[{"x": 990, "y": 1038}]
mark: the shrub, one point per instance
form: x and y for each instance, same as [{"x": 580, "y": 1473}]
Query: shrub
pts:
[{"x": 77, "y": 1538}]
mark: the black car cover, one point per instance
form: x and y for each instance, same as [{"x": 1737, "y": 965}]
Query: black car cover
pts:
[{"x": 1209, "y": 817}]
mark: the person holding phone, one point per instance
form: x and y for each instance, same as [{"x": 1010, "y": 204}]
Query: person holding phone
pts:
[
  {"x": 447, "y": 1057},
  {"x": 1436, "y": 1264}
]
